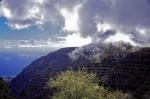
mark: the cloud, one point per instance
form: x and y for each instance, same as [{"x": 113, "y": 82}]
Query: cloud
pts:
[
  {"x": 121, "y": 37},
  {"x": 24, "y": 13},
  {"x": 121, "y": 15},
  {"x": 74, "y": 40},
  {"x": 27, "y": 43},
  {"x": 20, "y": 15},
  {"x": 90, "y": 18},
  {"x": 96, "y": 52},
  {"x": 71, "y": 19}
]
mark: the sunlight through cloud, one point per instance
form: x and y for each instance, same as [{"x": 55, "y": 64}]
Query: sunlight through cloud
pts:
[
  {"x": 71, "y": 19},
  {"x": 74, "y": 40},
  {"x": 6, "y": 12}
]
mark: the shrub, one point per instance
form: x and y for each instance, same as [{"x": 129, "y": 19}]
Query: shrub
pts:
[{"x": 81, "y": 85}]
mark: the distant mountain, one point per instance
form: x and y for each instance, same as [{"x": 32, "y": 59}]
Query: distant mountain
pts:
[
  {"x": 5, "y": 92},
  {"x": 120, "y": 68}
]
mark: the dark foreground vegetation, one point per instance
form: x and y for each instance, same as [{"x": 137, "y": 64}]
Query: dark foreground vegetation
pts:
[{"x": 5, "y": 92}]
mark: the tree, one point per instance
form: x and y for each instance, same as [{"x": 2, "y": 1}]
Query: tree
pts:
[{"x": 81, "y": 85}]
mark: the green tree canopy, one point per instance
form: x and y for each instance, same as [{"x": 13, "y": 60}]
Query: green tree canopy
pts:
[{"x": 81, "y": 85}]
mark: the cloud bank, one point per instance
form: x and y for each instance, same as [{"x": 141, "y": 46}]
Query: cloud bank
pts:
[
  {"x": 102, "y": 20},
  {"x": 123, "y": 16},
  {"x": 24, "y": 13},
  {"x": 67, "y": 41}
]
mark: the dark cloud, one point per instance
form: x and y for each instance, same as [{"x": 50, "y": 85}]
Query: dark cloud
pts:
[{"x": 123, "y": 15}]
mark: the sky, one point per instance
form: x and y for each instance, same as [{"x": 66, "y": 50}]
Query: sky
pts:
[
  {"x": 69, "y": 23},
  {"x": 37, "y": 24},
  {"x": 32, "y": 28}
]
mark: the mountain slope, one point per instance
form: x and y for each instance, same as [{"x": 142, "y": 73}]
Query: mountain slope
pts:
[
  {"x": 4, "y": 90},
  {"x": 121, "y": 70},
  {"x": 133, "y": 73},
  {"x": 36, "y": 74}
]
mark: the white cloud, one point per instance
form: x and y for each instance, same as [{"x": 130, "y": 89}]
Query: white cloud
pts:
[
  {"x": 120, "y": 37},
  {"x": 4, "y": 43},
  {"x": 122, "y": 15},
  {"x": 6, "y": 12},
  {"x": 36, "y": 12},
  {"x": 71, "y": 19},
  {"x": 89, "y": 19},
  {"x": 71, "y": 40},
  {"x": 103, "y": 27},
  {"x": 75, "y": 40},
  {"x": 40, "y": 1},
  {"x": 18, "y": 26},
  {"x": 141, "y": 30}
]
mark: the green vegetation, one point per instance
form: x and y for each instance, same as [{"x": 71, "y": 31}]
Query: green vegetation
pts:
[{"x": 81, "y": 85}]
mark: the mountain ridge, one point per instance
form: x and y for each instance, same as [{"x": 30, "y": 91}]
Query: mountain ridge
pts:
[{"x": 31, "y": 83}]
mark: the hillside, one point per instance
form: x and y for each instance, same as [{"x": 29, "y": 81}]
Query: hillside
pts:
[
  {"x": 129, "y": 72},
  {"x": 31, "y": 81},
  {"x": 5, "y": 92},
  {"x": 133, "y": 73}
]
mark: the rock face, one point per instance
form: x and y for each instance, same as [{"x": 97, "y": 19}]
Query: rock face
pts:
[
  {"x": 5, "y": 92},
  {"x": 130, "y": 72}
]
